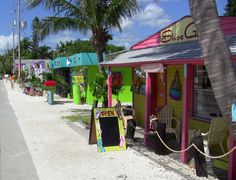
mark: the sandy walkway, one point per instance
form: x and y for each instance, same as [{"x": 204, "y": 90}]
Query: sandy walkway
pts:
[{"x": 59, "y": 152}]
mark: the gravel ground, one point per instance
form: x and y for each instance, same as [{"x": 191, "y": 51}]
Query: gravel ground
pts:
[{"x": 60, "y": 149}]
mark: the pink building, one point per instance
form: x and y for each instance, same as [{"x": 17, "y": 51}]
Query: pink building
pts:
[{"x": 170, "y": 54}]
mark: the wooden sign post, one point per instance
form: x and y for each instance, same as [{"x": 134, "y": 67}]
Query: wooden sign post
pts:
[{"x": 106, "y": 129}]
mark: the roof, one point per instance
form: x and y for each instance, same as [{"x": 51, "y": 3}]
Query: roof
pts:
[
  {"x": 85, "y": 59},
  {"x": 81, "y": 59},
  {"x": 28, "y": 61},
  {"x": 187, "y": 51},
  {"x": 182, "y": 26}
]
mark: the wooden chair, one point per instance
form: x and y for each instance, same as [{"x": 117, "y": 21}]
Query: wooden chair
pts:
[
  {"x": 165, "y": 115},
  {"x": 218, "y": 131},
  {"x": 117, "y": 104}
]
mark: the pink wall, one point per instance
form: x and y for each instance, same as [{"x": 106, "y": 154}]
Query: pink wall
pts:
[{"x": 228, "y": 26}]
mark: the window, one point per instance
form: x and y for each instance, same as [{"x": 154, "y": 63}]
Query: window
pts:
[{"x": 205, "y": 105}]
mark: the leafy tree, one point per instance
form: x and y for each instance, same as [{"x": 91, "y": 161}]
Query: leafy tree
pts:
[
  {"x": 25, "y": 47},
  {"x": 98, "y": 87},
  {"x": 216, "y": 54},
  {"x": 44, "y": 52},
  {"x": 112, "y": 48},
  {"x": 78, "y": 46},
  {"x": 97, "y": 16},
  {"x": 35, "y": 26},
  {"x": 6, "y": 62},
  {"x": 72, "y": 47},
  {"x": 230, "y": 8}
]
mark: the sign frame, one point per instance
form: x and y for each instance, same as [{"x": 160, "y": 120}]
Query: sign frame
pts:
[{"x": 107, "y": 114}]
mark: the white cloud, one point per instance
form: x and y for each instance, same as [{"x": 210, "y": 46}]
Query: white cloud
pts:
[
  {"x": 62, "y": 36},
  {"x": 146, "y": 1},
  {"x": 6, "y": 42},
  {"x": 126, "y": 24},
  {"x": 168, "y": 0},
  {"x": 157, "y": 1},
  {"x": 153, "y": 16},
  {"x": 85, "y": 39},
  {"x": 126, "y": 38}
]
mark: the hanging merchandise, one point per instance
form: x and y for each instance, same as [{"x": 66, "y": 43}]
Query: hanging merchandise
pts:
[
  {"x": 117, "y": 79},
  {"x": 175, "y": 88},
  {"x": 233, "y": 111}
]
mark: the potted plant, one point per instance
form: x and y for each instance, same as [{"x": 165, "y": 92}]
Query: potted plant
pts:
[
  {"x": 117, "y": 83},
  {"x": 98, "y": 87}
]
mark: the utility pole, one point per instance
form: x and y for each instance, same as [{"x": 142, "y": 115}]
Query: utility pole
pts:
[
  {"x": 19, "y": 53},
  {"x": 13, "y": 44}
]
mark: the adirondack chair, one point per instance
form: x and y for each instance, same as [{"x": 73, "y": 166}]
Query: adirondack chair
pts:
[
  {"x": 165, "y": 115},
  {"x": 117, "y": 104},
  {"x": 217, "y": 133}
]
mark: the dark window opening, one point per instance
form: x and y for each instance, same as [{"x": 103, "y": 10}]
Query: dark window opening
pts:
[{"x": 205, "y": 105}]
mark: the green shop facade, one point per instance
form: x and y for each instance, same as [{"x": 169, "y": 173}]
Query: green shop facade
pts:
[{"x": 79, "y": 71}]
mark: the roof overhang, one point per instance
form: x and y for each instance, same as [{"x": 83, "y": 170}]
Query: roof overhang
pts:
[{"x": 177, "y": 53}]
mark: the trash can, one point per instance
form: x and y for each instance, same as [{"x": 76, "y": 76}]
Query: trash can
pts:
[
  {"x": 76, "y": 94},
  {"x": 131, "y": 126},
  {"x": 161, "y": 129},
  {"x": 50, "y": 98}
]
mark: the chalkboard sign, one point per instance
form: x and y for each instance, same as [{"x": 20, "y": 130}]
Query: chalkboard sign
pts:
[{"x": 109, "y": 130}]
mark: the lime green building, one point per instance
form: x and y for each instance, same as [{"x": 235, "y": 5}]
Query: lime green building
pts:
[{"x": 81, "y": 69}]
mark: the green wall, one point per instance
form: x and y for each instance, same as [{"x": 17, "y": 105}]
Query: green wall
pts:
[
  {"x": 125, "y": 96},
  {"x": 92, "y": 70}
]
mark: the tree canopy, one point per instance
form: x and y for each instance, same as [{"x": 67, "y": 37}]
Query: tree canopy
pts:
[
  {"x": 96, "y": 16},
  {"x": 230, "y": 9},
  {"x": 79, "y": 46}
]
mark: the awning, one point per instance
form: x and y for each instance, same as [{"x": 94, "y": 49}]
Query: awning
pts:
[
  {"x": 75, "y": 60},
  {"x": 153, "y": 68},
  {"x": 186, "y": 51}
]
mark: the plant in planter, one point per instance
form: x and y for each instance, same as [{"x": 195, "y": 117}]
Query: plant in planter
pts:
[
  {"x": 98, "y": 87},
  {"x": 63, "y": 85},
  {"x": 60, "y": 83},
  {"x": 117, "y": 83},
  {"x": 32, "y": 92}
]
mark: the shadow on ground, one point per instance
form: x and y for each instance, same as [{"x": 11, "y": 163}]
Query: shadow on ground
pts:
[
  {"x": 170, "y": 140},
  {"x": 61, "y": 102}
]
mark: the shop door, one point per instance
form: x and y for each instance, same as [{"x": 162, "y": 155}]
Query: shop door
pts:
[{"x": 160, "y": 97}]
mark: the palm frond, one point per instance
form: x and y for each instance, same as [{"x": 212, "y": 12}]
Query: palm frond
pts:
[
  {"x": 120, "y": 9},
  {"x": 55, "y": 24},
  {"x": 67, "y": 8}
]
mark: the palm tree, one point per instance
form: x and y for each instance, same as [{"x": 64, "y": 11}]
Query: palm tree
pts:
[
  {"x": 216, "y": 54},
  {"x": 35, "y": 26},
  {"x": 26, "y": 47},
  {"x": 97, "y": 16},
  {"x": 230, "y": 9},
  {"x": 45, "y": 52}
]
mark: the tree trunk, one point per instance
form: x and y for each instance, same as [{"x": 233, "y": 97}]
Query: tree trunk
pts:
[
  {"x": 100, "y": 38},
  {"x": 216, "y": 54},
  {"x": 99, "y": 43}
]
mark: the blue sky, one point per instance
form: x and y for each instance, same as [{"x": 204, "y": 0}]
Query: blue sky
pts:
[{"x": 154, "y": 16}]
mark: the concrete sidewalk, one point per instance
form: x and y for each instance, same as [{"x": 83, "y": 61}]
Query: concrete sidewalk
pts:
[
  {"x": 60, "y": 149},
  {"x": 16, "y": 161}
]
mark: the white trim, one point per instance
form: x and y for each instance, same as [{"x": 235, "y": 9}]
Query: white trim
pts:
[{"x": 153, "y": 68}]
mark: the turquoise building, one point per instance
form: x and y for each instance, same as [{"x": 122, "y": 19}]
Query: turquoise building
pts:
[{"x": 84, "y": 66}]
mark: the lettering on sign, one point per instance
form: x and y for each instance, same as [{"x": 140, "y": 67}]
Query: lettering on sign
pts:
[
  {"x": 183, "y": 30},
  {"x": 108, "y": 113},
  {"x": 77, "y": 79}
]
